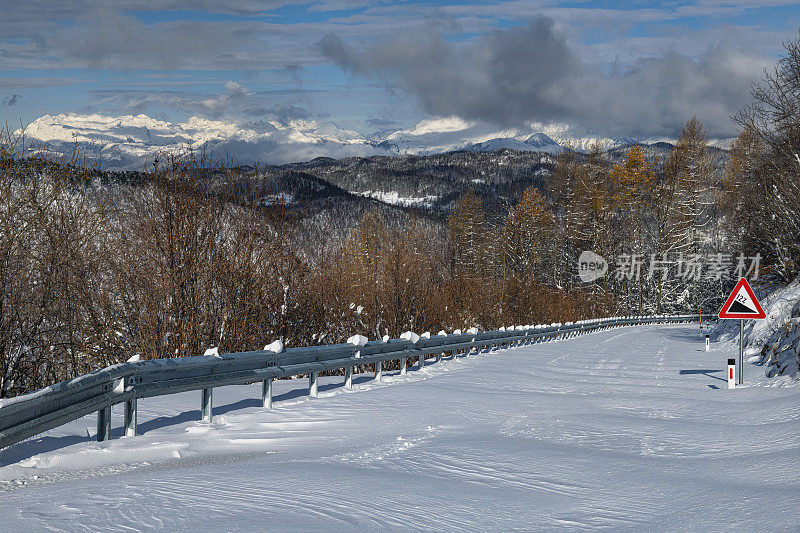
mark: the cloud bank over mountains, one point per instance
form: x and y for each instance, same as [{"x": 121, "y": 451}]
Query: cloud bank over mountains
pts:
[{"x": 531, "y": 73}]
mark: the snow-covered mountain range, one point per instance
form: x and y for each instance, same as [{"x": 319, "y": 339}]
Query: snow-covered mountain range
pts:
[{"x": 132, "y": 142}]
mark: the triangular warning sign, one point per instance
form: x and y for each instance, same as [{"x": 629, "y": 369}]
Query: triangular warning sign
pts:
[{"x": 742, "y": 303}]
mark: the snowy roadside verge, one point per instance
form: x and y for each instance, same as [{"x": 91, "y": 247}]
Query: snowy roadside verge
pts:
[
  {"x": 775, "y": 341},
  {"x": 171, "y": 434}
]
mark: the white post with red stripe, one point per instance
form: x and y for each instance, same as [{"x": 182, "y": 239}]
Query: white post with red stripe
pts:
[
  {"x": 731, "y": 373},
  {"x": 707, "y": 347}
]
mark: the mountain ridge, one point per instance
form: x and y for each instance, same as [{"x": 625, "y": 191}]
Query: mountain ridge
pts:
[{"x": 132, "y": 142}]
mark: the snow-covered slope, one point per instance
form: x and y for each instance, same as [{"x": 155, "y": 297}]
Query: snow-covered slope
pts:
[
  {"x": 775, "y": 341},
  {"x": 626, "y": 429},
  {"x": 133, "y": 142}
]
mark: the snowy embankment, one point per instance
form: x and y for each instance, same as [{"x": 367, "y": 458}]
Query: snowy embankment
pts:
[
  {"x": 629, "y": 428},
  {"x": 773, "y": 343}
]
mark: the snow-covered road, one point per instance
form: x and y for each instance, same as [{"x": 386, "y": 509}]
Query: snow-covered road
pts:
[{"x": 623, "y": 429}]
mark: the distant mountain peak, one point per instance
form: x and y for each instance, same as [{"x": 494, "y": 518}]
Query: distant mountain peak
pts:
[{"x": 539, "y": 139}]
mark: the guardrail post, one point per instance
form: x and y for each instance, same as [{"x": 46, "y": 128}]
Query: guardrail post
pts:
[
  {"x": 266, "y": 393},
  {"x": 104, "y": 424},
  {"x": 421, "y": 361},
  {"x": 130, "y": 418},
  {"x": 403, "y": 365},
  {"x": 207, "y": 405},
  {"x": 348, "y": 377},
  {"x": 439, "y": 356},
  {"x": 313, "y": 378},
  {"x": 378, "y": 370}
]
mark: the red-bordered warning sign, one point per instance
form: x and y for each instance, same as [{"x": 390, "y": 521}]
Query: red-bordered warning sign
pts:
[{"x": 742, "y": 303}]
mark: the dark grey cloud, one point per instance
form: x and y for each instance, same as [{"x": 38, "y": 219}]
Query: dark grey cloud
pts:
[
  {"x": 8, "y": 101},
  {"x": 657, "y": 95},
  {"x": 532, "y": 74}
]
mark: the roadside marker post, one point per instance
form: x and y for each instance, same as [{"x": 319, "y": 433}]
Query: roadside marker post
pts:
[
  {"x": 742, "y": 304},
  {"x": 731, "y": 373},
  {"x": 707, "y": 342}
]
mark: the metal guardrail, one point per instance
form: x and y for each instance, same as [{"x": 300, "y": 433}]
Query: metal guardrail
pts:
[{"x": 30, "y": 414}]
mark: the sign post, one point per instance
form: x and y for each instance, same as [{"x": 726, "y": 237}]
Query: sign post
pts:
[
  {"x": 741, "y": 351},
  {"x": 742, "y": 304}
]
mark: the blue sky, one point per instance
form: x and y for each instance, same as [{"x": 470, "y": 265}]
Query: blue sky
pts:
[{"x": 626, "y": 66}]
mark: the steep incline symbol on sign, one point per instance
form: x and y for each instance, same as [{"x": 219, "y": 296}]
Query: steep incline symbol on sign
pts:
[{"x": 742, "y": 303}]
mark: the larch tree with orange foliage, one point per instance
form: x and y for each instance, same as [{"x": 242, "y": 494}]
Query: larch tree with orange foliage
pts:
[
  {"x": 631, "y": 184},
  {"x": 527, "y": 233}
]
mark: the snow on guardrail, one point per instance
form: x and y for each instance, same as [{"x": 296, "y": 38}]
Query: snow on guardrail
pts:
[{"x": 30, "y": 414}]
